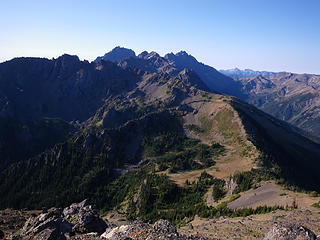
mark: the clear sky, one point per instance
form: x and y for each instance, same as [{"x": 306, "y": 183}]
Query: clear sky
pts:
[{"x": 274, "y": 35}]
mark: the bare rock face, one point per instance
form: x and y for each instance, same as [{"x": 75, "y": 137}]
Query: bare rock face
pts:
[
  {"x": 79, "y": 218},
  {"x": 288, "y": 231}
]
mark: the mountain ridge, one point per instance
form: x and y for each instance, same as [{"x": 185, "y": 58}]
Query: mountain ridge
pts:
[
  {"x": 169, "y": 122},
  {"x": 254, "y": 91}
]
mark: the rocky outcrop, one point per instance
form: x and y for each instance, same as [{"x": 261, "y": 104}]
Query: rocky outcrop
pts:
[
  {"x": 81, "y": 221},
  {"x": 162, "y": 230},
  {"x": 50, "y": 225},
  {"x": 84, "y": 218},
  {"x": 79, "y": 218},
  {"x": 289, "y": 231}
]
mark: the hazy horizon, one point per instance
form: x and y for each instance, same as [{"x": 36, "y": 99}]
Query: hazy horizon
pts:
[{"x": 259, "y": 35}]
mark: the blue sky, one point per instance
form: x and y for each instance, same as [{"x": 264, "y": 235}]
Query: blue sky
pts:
[{"x": 275, "y": 35}]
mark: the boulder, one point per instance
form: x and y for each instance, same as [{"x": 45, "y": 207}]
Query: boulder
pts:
[
  {"x": 135, "y": 230},
  {"x": 48, "y": 225},
  {"x": 84, "y": 218},
  {"x": 78, "y": 218},
  {"x": 163, "y": 230},
  {"x": 289, "y": 231}
]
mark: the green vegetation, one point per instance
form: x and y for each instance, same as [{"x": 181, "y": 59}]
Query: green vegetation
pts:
[
  {"x": 244, "y": 181},
  {"x": 174, "y": 151},
  {"x": 224, "y": 204},
  {"x": 193, "y": 156},
  {"x": 194, "y": 128},
  {"x": 20, "y": 141},
  {"x": 316, "y": 205},
  {"x": 314, "y": 194},
  {"x": 254, "y": 234},
  {"x": 234, "y": 197},
  {"x": 206, "y": 124},
  {"x": 218, "y": 191},
  {"x": 82, "y": 167},
  {"x": 74, "y": 219},
  {"x": 159, "y": 197},
  {"x": 227, "y": 127}
]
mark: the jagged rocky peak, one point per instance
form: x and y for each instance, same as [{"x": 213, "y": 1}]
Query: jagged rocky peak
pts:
[
  {"x": 117, "y": 54},
  {"x": 143, "y": 54},
  {"x": 148, "y": 55},
  {"x": 182, "y": 55}
]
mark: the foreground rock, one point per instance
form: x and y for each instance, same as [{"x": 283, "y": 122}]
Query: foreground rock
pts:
[
  {"x": 84, "y": 218},
  {"x": 81, "y": 221},
  {"x": 79, "y": 218},
  {"x": 49, "y": 225},
  {"x": 162, "y": 230},
  {"x": 288, "y": 231}
]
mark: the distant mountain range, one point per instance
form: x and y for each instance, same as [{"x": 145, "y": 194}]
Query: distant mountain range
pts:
[
  {"x": 291, "y": 97},
  {"x": 236, "y": 73}
]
